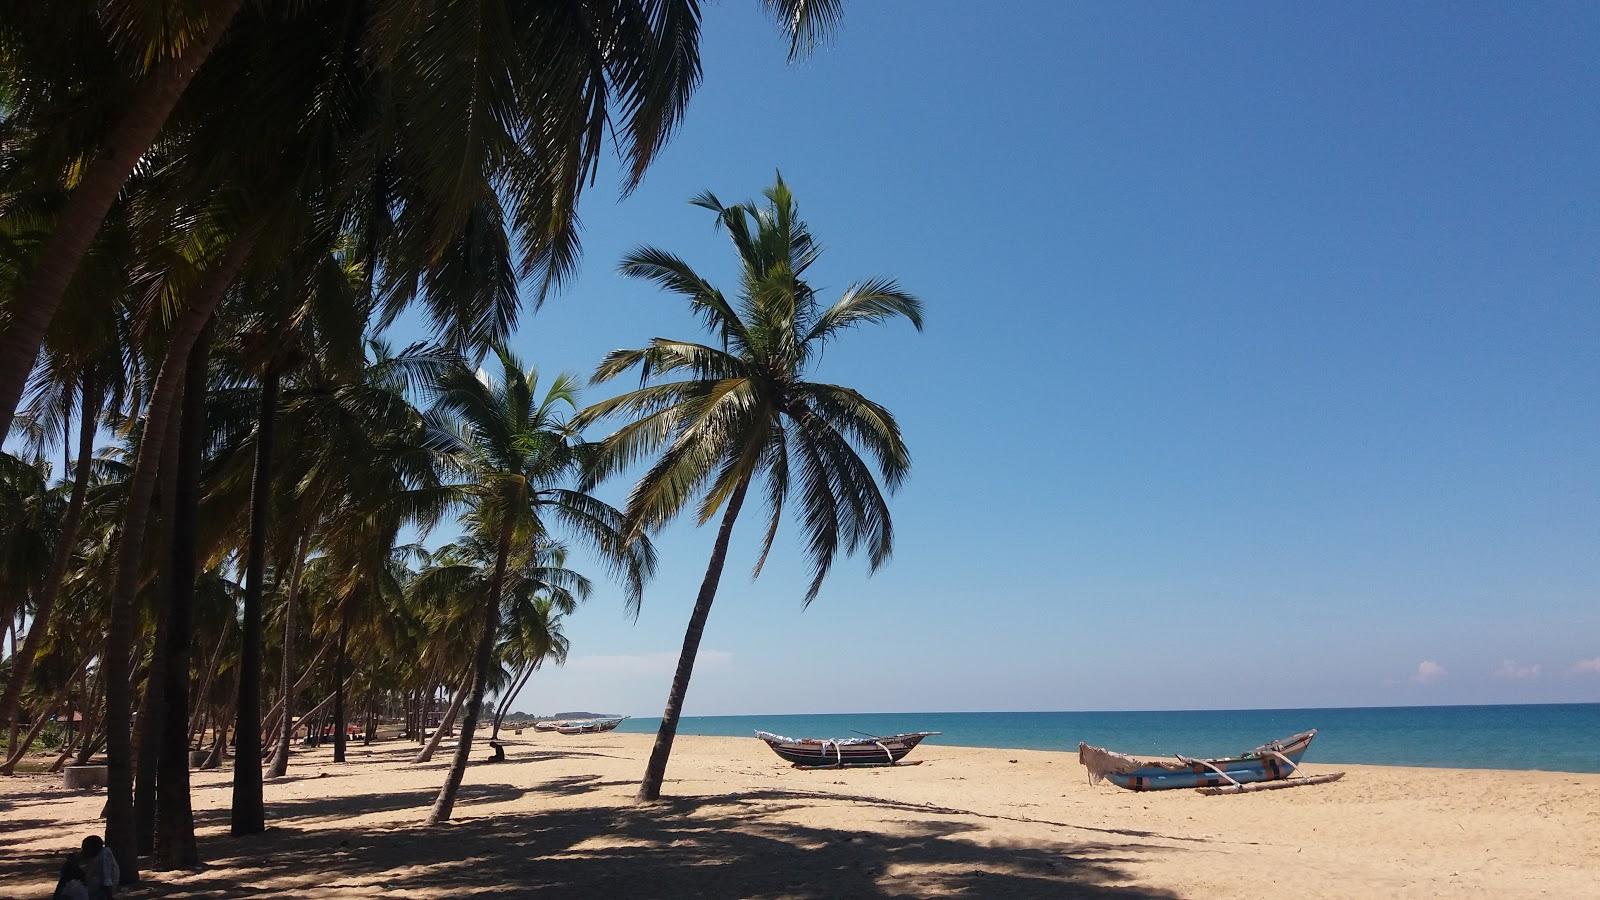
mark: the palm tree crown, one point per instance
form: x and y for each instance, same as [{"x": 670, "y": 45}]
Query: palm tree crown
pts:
[{"x": 746, "y": 408}]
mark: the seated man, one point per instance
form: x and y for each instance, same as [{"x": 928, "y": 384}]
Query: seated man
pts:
[
  {"x": 101, "y": 873},
  {"x": 499, "y": 752}
]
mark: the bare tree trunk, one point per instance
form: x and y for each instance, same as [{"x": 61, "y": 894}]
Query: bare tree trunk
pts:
[
  {"x": 446, "y": 801},
  {"x": 120, "y": 836},
  {"x": 280, "y": 759},
  {"x": 656, "y": 771},
  {"x": 175, "y": 844},
  {"x": 22, "y": 660},
  {"x": 35, "y": 305},
  {"x": 248, "y": 815}
]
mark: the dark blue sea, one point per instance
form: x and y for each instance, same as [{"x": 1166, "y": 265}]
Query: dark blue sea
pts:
[{"x": 1555, "y": 737}]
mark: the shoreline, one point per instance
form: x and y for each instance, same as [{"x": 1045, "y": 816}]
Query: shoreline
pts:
[
  {"x": 558, "y": 819},
  {"x": 1516, "y": 737}
]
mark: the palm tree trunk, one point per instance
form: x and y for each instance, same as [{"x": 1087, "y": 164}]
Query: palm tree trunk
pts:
[
  {"x": 92, "y": 719},
  {"x": 280, "y": 757},
  {"x": 446, "y": 801},
  {"x": 445, "y": 721},
  {"x": 248, "y": 815},
  {"x": 505, "y": 703},
  {"x": 120, "y": 835},
  {"x": 22, "y": 660},
  {"x": 656, "y": 771},
  {"x": 152, "y": 710},
  {"x": 219, "y": 749},
  {"x": 175, "y": 845},
  {"x": 17, "y": 753},
  {"x": 35, "y": 305},
  {"x": 339, "y": 736},
  {"x": 270, "y": 722},
  {"x": 197, "y": 729}
]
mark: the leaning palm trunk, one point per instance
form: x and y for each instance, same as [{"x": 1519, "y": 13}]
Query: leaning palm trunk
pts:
[
  {"x": 656, "y": 771},
  {"x": 280, "y": 758},
  {"x": 197, "y": 727},
  {"x": 270, "y": 722},
  {"x": 505, "y": 703},
  {"x": 219, "y": 748},
  {"x": 445, "y": 721},
  {"x": 35, "y": 304},
  {"x": 446, "y": 801},
  {"x": 175, "y": 845},
  {"x": 39, "y": 720},
  {"x": 120, "y": 835},
  {"x": 248, "y": 815},
  {"x": 22, "y": 660}
]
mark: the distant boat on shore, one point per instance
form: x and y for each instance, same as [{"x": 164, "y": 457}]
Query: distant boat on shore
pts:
[
  {"x": 839, "y": 753},
  {"x": 580, "y": 726},
  {"x": 1276, "y": 761}
]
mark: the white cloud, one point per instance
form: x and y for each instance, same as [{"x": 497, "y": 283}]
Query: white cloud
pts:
[
  {"x": 1587, "y": 666},
  {"x": 663, "y": 663},
  {"x": 1511, "y": 670},
  {"x": 1428, "y": 672}
]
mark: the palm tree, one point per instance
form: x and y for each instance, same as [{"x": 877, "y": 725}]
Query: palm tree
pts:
[
  {"x": 745, "y": 410},
  {"x": 532, "y": 98},
  {"x": 56, "y": 40},
  {"x": 533, "y": 634},
  {"x": 518, "y": 451}
]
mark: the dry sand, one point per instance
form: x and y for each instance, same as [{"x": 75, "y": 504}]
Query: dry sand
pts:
[{"x": 556, "y": 820}]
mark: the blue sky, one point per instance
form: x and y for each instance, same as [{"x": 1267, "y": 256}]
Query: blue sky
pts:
[
  {"x": 1260, "y": 367},
  {"x": 1261, "y": 364}
]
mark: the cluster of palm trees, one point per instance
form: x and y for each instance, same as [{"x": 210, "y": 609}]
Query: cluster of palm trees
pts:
[{"x": 210, "y": 213}]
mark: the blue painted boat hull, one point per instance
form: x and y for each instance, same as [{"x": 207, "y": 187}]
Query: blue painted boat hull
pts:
[{"x": 1243, "y": 769}]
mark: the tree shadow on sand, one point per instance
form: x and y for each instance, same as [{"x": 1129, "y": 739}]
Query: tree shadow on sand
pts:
[{"x": 720, "y": 846}]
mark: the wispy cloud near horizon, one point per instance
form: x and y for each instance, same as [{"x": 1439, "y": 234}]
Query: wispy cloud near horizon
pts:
[
  {"x": 1587, "y": 666},
  {"x": 1428, "y": 672},
  {"x": 1511, "y": 670}
]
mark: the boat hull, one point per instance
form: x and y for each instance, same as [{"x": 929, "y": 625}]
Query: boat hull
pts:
[
  {"x": 823, "y": 754},
  {"x": 1242, "y": 769},
  {"x": 596, "y": 728}
]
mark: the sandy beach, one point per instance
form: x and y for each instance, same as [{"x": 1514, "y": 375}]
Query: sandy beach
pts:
[{"x": 557, "y": 820}]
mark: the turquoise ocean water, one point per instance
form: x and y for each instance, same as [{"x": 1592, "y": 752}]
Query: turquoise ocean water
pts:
[{"x": 1555, "y": 737}]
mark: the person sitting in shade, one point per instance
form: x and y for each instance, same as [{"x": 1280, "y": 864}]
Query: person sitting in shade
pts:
[
  {"x": 102, "y": 873},
  {"x": 70, "y": 885}
]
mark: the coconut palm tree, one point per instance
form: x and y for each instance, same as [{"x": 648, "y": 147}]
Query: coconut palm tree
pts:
[
  {"x": 745, "y": 410},
  {"x": 532, "y": 98},
  {"x": 533, "y": 635},
  {"x": 519, "y": 453}
]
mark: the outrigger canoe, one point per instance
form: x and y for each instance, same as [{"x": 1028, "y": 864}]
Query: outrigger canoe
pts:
[
  {"x": 840, "y": 753},
  {"x": 594, "y": 726},
  {"x": 1272, "y": 762},
  {"x": 579, "y": 726}
]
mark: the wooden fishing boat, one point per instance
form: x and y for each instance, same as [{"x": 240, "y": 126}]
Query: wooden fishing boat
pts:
[
  {"x": 547, "y": 726},
  {"x": 839, "y": 753},
  {"x": 1272, "y": 762},
  {"x": 591, "y": 726}
]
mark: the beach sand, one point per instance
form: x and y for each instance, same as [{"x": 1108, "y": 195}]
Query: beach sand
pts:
[{"x": 557, "y": 820}]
